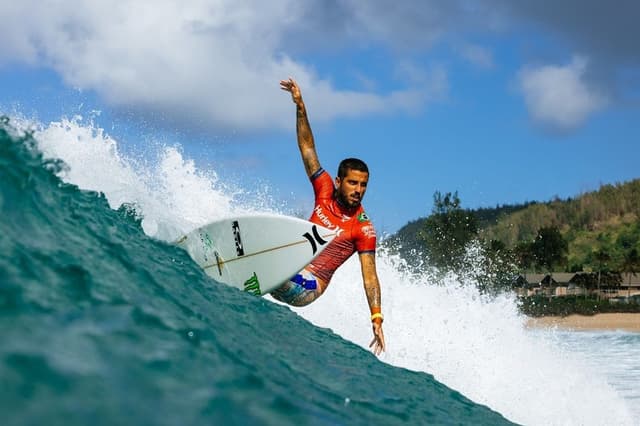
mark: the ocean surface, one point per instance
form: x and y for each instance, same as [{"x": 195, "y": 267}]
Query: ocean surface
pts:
[{"x": 104, "y": 321}]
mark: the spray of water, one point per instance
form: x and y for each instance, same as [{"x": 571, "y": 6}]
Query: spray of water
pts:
[
  {"x": 477, "y": 345},
  {"x": 167, "y": 191}
]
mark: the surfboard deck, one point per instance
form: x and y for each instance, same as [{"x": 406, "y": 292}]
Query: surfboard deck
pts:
[{"x": 255, "y": 253}]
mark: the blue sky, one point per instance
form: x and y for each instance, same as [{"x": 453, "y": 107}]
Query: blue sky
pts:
[{"x": 501, "y": 101}]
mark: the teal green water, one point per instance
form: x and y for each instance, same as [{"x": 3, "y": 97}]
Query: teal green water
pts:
[{"x": 100, "y": 324}]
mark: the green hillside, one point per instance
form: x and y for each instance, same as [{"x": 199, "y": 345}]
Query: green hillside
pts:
[
  {"x": 606, "y": 220},
  {"x": 594, "y": 230}
]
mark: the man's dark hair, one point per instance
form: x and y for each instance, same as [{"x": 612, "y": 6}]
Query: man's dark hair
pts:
[{"x": 351, "y": 164}]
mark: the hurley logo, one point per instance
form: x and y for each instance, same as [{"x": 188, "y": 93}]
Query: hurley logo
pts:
[
  {"x": 326, "y": 221},
  {"x": 316, "y": 238}
]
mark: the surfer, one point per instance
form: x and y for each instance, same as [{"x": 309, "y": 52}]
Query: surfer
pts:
[{"x": 337, "y": 207}]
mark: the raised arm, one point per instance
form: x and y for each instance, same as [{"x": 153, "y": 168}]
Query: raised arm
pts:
[
  {"x": 305, "y": 137},
  {"x": 372, "y": 290}
]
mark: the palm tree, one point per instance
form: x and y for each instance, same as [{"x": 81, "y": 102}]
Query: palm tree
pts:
[{"x": 631, "y": 265}]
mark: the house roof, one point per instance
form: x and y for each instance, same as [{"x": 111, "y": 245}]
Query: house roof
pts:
[
  {"x": 562, "y": 277},
  {"x": 535, "y": 278}
]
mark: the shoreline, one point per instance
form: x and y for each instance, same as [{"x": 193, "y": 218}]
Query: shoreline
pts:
[{"x": 620, "y": 321}]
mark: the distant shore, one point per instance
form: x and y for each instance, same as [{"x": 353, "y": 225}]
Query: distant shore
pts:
[{"x": 623, "y": 321}]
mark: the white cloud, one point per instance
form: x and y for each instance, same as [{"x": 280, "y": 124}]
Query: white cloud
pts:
[
  {"x": 216, "y": 62},
  {"x": 558, "y": 97}
]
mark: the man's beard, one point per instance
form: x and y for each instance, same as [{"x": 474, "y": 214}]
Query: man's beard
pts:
[{"x": 345, "y": 202}]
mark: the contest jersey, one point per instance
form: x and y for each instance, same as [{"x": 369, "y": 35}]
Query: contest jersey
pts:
[{"x": 355, "y": 231}]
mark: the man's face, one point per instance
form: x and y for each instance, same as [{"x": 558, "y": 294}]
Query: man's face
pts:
[{"x": 351, "y": 188}]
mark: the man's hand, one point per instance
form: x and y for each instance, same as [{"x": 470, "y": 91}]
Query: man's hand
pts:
[
  {"x": 378, "y": 338},
  {"x": 292, "y": 87},
  {"x": 303, "y": 129}
]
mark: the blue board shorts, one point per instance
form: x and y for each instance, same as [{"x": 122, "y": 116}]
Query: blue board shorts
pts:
[{"x": 300, "y": 290}]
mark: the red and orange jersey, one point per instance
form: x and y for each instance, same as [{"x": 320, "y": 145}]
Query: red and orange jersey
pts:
[{"x": 355, "y": 230}]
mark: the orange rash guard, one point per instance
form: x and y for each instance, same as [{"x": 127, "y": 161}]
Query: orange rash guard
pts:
[{"x": 355, "y": 230}]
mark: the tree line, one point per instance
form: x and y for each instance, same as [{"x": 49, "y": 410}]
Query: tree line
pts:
[{"x": 597, "y": 232}]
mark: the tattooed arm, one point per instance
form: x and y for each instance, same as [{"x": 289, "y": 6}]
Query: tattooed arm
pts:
[{"x": 305, "y": 137}]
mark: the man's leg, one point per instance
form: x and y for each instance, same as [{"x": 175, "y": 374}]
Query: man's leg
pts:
[{"x": 300, "y": 290}]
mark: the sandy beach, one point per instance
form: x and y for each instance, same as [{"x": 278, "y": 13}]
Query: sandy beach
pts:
[{"x": 626, "y": 322}]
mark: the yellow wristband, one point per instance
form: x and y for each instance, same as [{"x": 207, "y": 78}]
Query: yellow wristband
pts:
[{"x": 377, "y": 315}]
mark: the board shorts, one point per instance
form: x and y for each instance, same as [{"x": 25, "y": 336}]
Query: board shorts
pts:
[{"x": 300, "y": 290}]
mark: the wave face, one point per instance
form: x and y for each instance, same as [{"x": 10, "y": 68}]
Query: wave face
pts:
[
  {"x": 104, "y": 321},
  {"x": 101, "y": 322}
]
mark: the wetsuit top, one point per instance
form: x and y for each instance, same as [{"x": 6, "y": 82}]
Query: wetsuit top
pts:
[{"x": 355, "y": 230}]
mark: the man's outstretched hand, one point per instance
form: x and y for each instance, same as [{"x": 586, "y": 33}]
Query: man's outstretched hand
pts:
[{"x": 292, "y": 87}]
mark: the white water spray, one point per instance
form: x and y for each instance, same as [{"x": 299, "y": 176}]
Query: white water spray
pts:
[{"x": 170, "y": 194}]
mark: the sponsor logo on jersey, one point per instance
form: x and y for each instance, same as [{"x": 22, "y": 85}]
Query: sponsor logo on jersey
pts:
[
  {"x": 324, "y": 219},
  {"x": 369, "y": 231},
  {"x": 362, "y": 217}
]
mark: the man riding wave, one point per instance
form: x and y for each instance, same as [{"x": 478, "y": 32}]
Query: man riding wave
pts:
[{"x": 337, "y": 207}]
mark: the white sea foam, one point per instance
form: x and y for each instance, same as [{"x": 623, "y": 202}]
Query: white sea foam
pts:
[
  {"x": 473, "y": 344},
  {"x": 168, "y": 191}
]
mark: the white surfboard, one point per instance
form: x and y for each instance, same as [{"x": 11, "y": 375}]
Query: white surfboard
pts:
[{"x": 256, "y": 253}]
